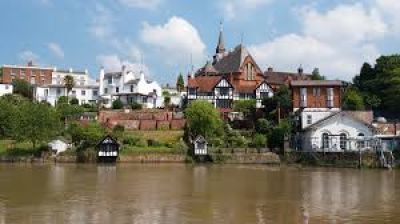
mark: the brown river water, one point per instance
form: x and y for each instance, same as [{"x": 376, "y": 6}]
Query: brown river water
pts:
[{"x": 178, "y": 193}]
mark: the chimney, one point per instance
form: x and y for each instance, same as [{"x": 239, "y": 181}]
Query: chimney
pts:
[
  {"x": 30, "y": 63},
  {"x": 270, "y": 69},
  {"x": 101, "y": 81},
  {"x": 300, "y": 70}
]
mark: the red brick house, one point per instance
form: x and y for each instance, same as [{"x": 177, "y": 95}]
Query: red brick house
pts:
[{"x": 30, "y": 73}]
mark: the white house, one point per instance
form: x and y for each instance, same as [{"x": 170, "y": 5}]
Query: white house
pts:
[
  {"x": 129, "y": 87},
  {"x": 176, "y": 96},
  {"x": 342, "y": 131},
  {"x": 6, "y": 89},
  {"x": 85, "y": 89}
]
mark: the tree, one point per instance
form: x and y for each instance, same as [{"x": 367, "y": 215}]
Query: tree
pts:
[
  {"x": 180, "y": 83},
  {"x": 352, "y": 100},
  {"x": 74, "y": 101},
  {"x": 23, "y": 88},
  {"x": 263, "y": 126},
  {"x": 259, "y": 141},
  {"x": 117, "y": 104},
  {"x": 279, "y": 105},
  {"x": 202, "y": 119},
  {"x": 69, "y": 83},
  {"x": 247, "y": 107},
  {"x": 315, "y": 75},
  {"x": 167, "y": 98}
]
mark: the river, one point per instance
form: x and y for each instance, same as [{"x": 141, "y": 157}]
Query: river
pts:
[{"x": 178, "y": 193}]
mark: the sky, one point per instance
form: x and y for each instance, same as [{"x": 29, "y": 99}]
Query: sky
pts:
[{"x": 164, "y": 37}]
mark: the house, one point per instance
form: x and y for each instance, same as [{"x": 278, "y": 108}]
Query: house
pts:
[
  {"x": 200, "y": 146},
  {"x": 59, "y": 145},
  {"x": 107, "y": 150},
  {"x": 36, "y": 75},
  {"x": 234, "y": 75},
  {"x": 85, "y": 89},
  {"x": 130, "y": 87},
  {"x": 314, "y": 100},
  {"x": 175, "y": 96},
  {"x": 6, "y": 89},
  {"x": 340, "y": 131}
]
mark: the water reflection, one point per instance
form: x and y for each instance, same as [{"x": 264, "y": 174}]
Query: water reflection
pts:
[{"x": 172, "y": 193}]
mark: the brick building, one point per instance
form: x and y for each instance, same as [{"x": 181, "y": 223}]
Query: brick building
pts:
[
  {"x": 31, "y": 73},
  {"x": 235, "y": 75}
]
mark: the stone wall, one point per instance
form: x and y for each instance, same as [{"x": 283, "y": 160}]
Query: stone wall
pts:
[{"x": 143, "y": 119}]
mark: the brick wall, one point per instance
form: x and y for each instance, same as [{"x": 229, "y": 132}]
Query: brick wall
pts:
[{"x": 143, "y": 119}]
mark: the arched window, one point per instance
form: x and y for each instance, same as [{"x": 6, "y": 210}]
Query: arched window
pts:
[
  {"x": 343, "y": 141},
  {"x": 361, "y": 142},
  {"x": 249, "y": 72},
  {"x": 325, "y": 141}
]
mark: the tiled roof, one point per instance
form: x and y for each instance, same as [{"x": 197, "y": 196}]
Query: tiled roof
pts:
[
  {"x": 355, "y": 115},
  {"x": 316, "y": 83},
  {"x": 204, "y": 83},
  {"x": 282, "y": 78}
]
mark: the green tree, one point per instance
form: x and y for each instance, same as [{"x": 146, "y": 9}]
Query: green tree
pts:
[
  {"x": 352, "y": 100},
  {"x": 74, "y": 101},
  {"x": 167, "y": 98},
  {"x": 69, "y": 83},
  {"x": 259, "y": 141},
  {"x": 247, "y": 107},
  {"x": 117, "y": 104},
  {"x": 37, "y": 123},
  {"x": 315, "y": 75},
  {"x": 279, "y": 105},
  {"x": 203, "y": 119},
  {"x": 180, "y": 83},
  {"x": 23, "y": 88},
  {"x": 263, "y": 126}
]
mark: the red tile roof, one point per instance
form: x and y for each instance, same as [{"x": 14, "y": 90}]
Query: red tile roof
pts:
[
  {"x": 204, "y": 83},
  {"x": 316, "y": 83}
]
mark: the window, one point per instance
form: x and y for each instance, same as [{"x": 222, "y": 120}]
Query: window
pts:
[
  {"x": 131, "y": 88},
  {"x": 83, "y": 92},
  {"x": 82, "y": 82},
  {"x": 41, "y": 73},
  {"x": 329, "y": 93},
  {"x": 223, "y": 104},
  {"x": 73, "y": 92},
  {"x": 316, "y": 91},
  {"x": 303, "y": 97},
  {"x": 249, "y": 72},
  {"x": 58, "y": 91},
  {"x": 105, "y": 90},
  {"x": 7, "y": 87},
  {"x": 192, "y": 91},
  {"x": 33, "y": 74},
  {"x": 325, "y": 141},
  {"x": 13, "y": 73},
  {"x": 117, "y": 89},
  {"x": 109, "y": 80},
  {"x": 223, "y": 91},
  {"x": 46, "y": 92},
  {"x": 309, "y": 119},
  {"x": 264, "y": 95},
  {"x": 361, "y": 142},
  {"x": 23, "y": 74},
  {"x": 95, "y": 93},
  {"x": 343, "y": 141}
]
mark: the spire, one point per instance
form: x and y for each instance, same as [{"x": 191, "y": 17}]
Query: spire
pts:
[{"x": 220, "y": 46}]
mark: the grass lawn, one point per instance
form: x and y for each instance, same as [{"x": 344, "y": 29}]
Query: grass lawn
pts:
[{"x": 168, "y": 136}]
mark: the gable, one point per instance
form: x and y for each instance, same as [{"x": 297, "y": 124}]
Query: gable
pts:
[
  {"x": 223, "y": 83},
  {"x": 247, "y": 60},
  {"x": 264, "y": 87}
]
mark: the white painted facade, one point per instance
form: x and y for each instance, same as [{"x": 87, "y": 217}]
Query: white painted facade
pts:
[
  {"x": 311, "y": 116},
  {"x": 6, "y": 89},
  {"x": 59, "y": 146},
  {"x": 85, "y": 89},
  {"x": 340, "y": 132},
  {"x": 176, "y": 97},
  {"x": 129, "y": 87}
]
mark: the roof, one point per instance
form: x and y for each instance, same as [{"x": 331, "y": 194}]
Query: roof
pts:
[
  {"x": 282, "y": 78},
  {"x": 204, "y": 83},
  {"x": 350, "y": 114},
  {"x": 232, "y": 61},
  {"x": 316, "y": 83},
  {"x": 113, "y": 74}
]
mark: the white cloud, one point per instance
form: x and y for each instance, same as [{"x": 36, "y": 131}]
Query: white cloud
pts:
[
  {"x": 337, "y": 41},
  {"x": 174, "y": 41},
  {"x": 345, "y": 24},
  {"x": 143, "y": 4},
  {"x": 113, "y": 63},
  {"x": 56, "y": 50},
  {"x": 102, "y": 20},
  {"x": 230, "y": 8},
  {"x": 390, "y": 10},
  {"x": 26, "y": 56}
]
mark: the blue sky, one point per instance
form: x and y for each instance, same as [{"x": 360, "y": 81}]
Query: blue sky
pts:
[{"x": 336, "y": 36}]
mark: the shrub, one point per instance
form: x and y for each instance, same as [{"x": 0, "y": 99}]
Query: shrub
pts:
[
  {"x": 263, "y": 126},
  {"x": 74, "y": 101},
  {"x": 154, "y": 143},
  {"x": 259, "y": 140},
  {"x": 117, "y": 104},
  {"x": 131, "y": 140},
  {"x": 136, "y": 106}
]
